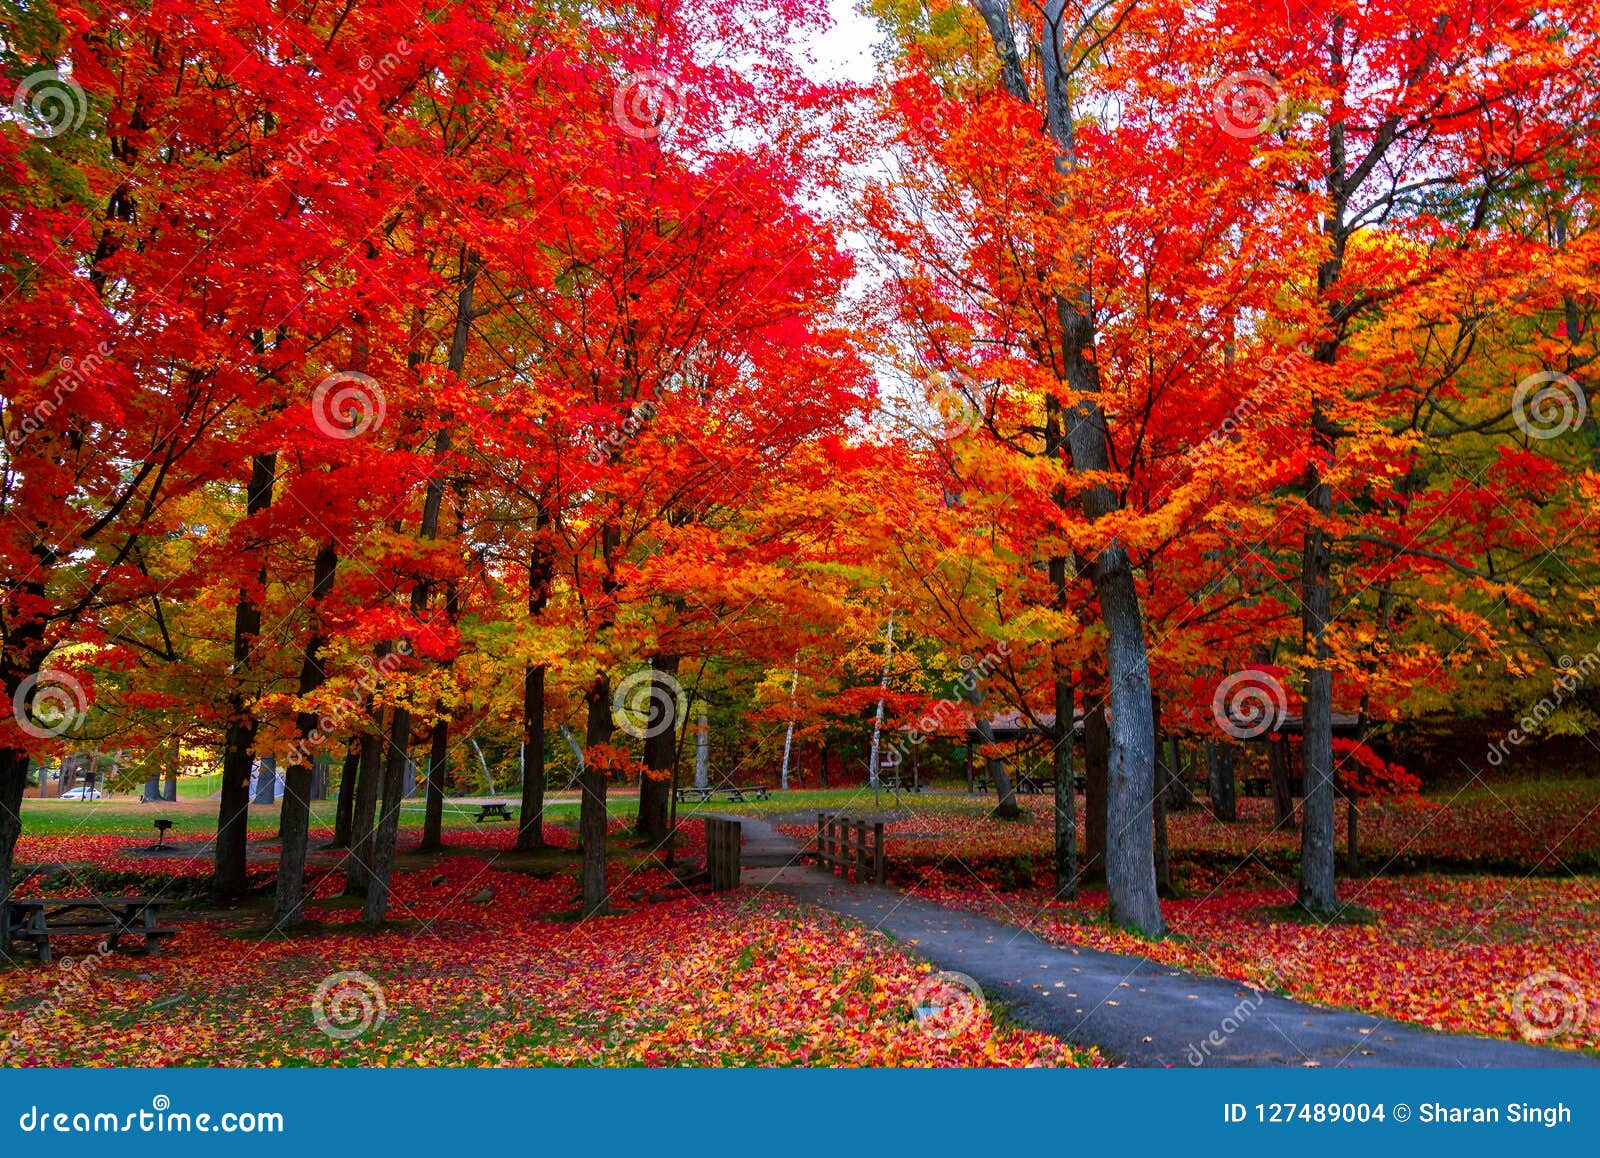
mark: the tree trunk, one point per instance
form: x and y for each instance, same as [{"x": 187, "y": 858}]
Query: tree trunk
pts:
[
  {"x": 1096, "y": 772},
  {"x": 660, "y": 750},
  {"x": 1066, "y": 832},
  {"x": 1180, "y": 795},
  {"x": 1278, "y": 777},
  {"x": 438, "y": 764},
  {"x": 369, "y": 780},
  {"x": 541, "y": 572},
  {"x": 530, "y": 825},
  {"x": 174, "y": 758},
  {"x": 229, "y": 878},
  {"x": 1219, "y": 774},
  {"x": 1318, "y": 892},
  {"x": 994, "y": 764},
  {"x": 1066, "y": 800},
  {"x": 152, "y": 791},
  {"x": 266, "y": 780},
  {"x": 13, "y": 782},
  {"x": 1352, "y": 819},
  {"x": 702, "y": 750},
  {"x": 294, "y": 820},
  {"x": 386, "y": 829},
  {"x": 1130, "y": 855},
  {"x": 344, "y": 809},
  {"x": 822, "y": 763},
  {"x": 592, "y": 810},
  {"x": 1162, "y": 851}
]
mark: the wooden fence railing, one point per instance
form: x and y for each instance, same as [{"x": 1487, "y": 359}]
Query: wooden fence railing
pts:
[
  {"x": 842, "y": 844},
  {"x": 722, "y": 853}
]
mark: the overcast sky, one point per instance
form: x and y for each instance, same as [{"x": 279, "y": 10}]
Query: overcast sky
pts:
[{"x": 845, "y": 53}]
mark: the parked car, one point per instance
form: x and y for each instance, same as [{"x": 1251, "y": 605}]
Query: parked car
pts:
[{"x": 82, "y": 793}]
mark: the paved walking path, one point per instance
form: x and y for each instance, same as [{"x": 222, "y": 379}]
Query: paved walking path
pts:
[{"x": 1137, "y": 1011}]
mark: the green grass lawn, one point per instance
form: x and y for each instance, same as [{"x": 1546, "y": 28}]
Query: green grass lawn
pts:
[{"x": 194, "y": 808}]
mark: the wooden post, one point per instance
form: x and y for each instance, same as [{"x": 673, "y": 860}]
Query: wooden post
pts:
[
  {"x": 877, "y": 853},
  {"x": 722, "y": 853}
]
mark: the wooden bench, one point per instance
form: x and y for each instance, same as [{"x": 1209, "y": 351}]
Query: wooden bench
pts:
[
  {"x": 493, "y": 811},
  {"x": 729, "y": 792},
  {"x": 899, "y": 784},
  {"x": 34, "y": 920}
]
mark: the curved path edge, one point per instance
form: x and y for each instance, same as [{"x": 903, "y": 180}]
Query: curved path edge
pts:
[{"x": 1135, "y": 1010}]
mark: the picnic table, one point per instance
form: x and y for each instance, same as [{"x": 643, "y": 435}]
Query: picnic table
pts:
[
  {"x": 494, "y": 810},
  {"x": 34, "y": 920},
  {"x": 732, "y": 792},
  {"x": 899, "y": 784},
  {"x": 1028, "y": 785}
]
